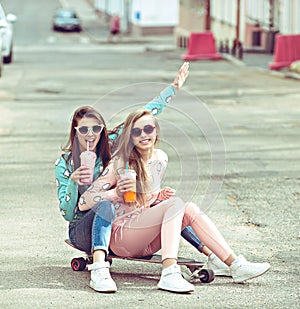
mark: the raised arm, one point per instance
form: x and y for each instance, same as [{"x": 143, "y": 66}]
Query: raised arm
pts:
[
  {"x": 157, "y": 105},
  {"x": 181, "y": 76}
]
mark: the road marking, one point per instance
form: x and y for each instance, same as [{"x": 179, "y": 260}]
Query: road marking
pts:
[
  {"x": 51, "y": 39},
  {"x": 80, "y": 48},
  {"x": 84, "y": 40}
]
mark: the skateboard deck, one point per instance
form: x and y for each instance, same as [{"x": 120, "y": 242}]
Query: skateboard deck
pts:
[
  {"x": 156, "y": 259},
  {"x": 195, "y": 267}
]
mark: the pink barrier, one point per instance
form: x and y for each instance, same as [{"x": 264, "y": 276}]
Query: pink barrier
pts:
[
  {"x": 202, "y": 45},
  {"x": 287, "y": 50}
]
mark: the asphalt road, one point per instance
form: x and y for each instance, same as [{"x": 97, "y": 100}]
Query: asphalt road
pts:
[{"x": 232, "y": 134}]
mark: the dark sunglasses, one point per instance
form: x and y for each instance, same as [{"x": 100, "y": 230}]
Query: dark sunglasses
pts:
[
  {"x": 148, "y": 129},
  {"x": 94, "y": 129}
]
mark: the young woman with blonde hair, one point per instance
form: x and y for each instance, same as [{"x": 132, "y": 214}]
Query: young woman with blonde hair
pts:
[{"x": 141, "y": 230}]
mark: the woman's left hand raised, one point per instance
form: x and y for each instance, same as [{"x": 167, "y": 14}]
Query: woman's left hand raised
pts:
[{"x": 181, "y": 75}]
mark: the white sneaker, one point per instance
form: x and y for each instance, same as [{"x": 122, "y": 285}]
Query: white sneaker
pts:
[
  {"x": 242, "y": 270},
  {"x": 101, "y": 280},
  {"x": 219, "y": 268},
  {"x": 172, "y": 280}
]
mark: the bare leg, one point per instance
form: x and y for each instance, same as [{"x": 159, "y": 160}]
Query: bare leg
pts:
[
  {"x": 168, "y": 262},
  {"x": 206, "y": 251},
  {"x": 99, "y": 256},
  {"x": 230, "y": 259}
]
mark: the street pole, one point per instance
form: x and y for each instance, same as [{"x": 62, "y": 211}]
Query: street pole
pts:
[
  {"x": 207, "y": 16},
  {"x": 271, "y": 35},
  {"x": 237, "y": 39},
  {"x": 126, "y": 16},
  {"x": 237, "y": 45},
  {"x": 271, "y": 19}
]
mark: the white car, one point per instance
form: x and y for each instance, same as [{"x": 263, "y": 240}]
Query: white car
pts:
[
  {"x": 6, "y": 35},
  {"x": 1, "y": 58}
]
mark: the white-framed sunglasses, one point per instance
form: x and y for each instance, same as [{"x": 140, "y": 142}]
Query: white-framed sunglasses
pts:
[{"x": 84, "y": 130}]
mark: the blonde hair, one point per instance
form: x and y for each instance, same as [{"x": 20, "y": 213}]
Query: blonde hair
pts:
[{"x": 128, "y": 153}]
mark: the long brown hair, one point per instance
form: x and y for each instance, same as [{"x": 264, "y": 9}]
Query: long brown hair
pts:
[
  {"x": 128, "y": 153},
  {"x": 72, "y": 146}
]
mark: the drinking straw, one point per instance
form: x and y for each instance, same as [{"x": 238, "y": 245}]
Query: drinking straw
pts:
[
  {"x": 87, "y": 146},
  {"x": 127, "y": 166}
]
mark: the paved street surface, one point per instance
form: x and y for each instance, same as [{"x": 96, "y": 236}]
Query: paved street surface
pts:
[{"x": 232, "y": 134}]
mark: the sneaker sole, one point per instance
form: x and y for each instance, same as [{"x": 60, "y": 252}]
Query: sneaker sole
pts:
[
  {"x": 112, "y": 290},
  {"x": 242, "y": 279},
  {"x": 175, "y": 291},
  {"x": 222, "y": 273}
]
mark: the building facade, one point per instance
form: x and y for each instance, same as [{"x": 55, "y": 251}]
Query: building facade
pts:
[
  {"x": 142, "y": 17},
  {"x": 251, "y": 23},
  {"x": 254, "y": 23}
]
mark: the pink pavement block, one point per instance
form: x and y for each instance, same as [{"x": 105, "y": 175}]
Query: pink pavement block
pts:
[
  {"x": 287, "y": 50},
  {"x": 202, "y": 45}
]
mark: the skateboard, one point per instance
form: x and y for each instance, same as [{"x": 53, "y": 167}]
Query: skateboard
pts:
[{"x": 195, "y": 267}]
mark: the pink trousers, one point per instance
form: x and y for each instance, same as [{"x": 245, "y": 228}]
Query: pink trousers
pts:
[{"x": 159, "y": 227}]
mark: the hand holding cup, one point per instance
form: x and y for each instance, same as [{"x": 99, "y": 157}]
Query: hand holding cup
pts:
[{"x": 127, "y": 185}]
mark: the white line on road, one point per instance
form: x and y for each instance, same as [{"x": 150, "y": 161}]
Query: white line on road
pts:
[{"x": 79, "y": 49}]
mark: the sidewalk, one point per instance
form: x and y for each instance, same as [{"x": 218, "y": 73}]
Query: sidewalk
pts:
[{"x": 97, "y": 29}]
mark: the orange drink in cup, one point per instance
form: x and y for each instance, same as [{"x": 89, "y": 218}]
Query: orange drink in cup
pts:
[{"x": 129, "y": 196}]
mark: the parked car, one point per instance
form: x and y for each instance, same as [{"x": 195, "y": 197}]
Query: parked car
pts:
[
  {"x": 66, "y": 19},
  {"x": 6, "y": 34}
]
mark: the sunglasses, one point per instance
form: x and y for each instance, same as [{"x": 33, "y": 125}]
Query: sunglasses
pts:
[
  {"x": 148, "y": 129},
  {"x": 86, "y": 130}
]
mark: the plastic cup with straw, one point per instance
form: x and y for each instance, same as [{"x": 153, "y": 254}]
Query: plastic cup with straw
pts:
[
  {"x": 88, "y": 159},
  {"x": 130, "y": 196}
]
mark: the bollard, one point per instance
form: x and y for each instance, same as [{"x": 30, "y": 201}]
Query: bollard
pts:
[
  {"x": 221, "y": 48},
  {"x": 201, "y": 45},
  {"x": 240, "y": 51},
  {"x": 227, "y": 46},
  {"x": 287, "y": 50}
]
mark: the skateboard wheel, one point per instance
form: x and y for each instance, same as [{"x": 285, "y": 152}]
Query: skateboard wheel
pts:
[
  {"x": 206, "y": 275},
  {"x": 78, "y": 264}
]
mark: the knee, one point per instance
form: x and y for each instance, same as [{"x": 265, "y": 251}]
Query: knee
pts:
[
  {"x": 176, "y": 200},
  {"x": 176, "y": 203},
  {"x": 105, "y": 210},
  {"x": 192, "y": 208}
]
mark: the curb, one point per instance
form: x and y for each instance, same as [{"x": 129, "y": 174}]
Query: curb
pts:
[
  {"x": 291, "y": 75},
  {"x": 233, "y": 59}
]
